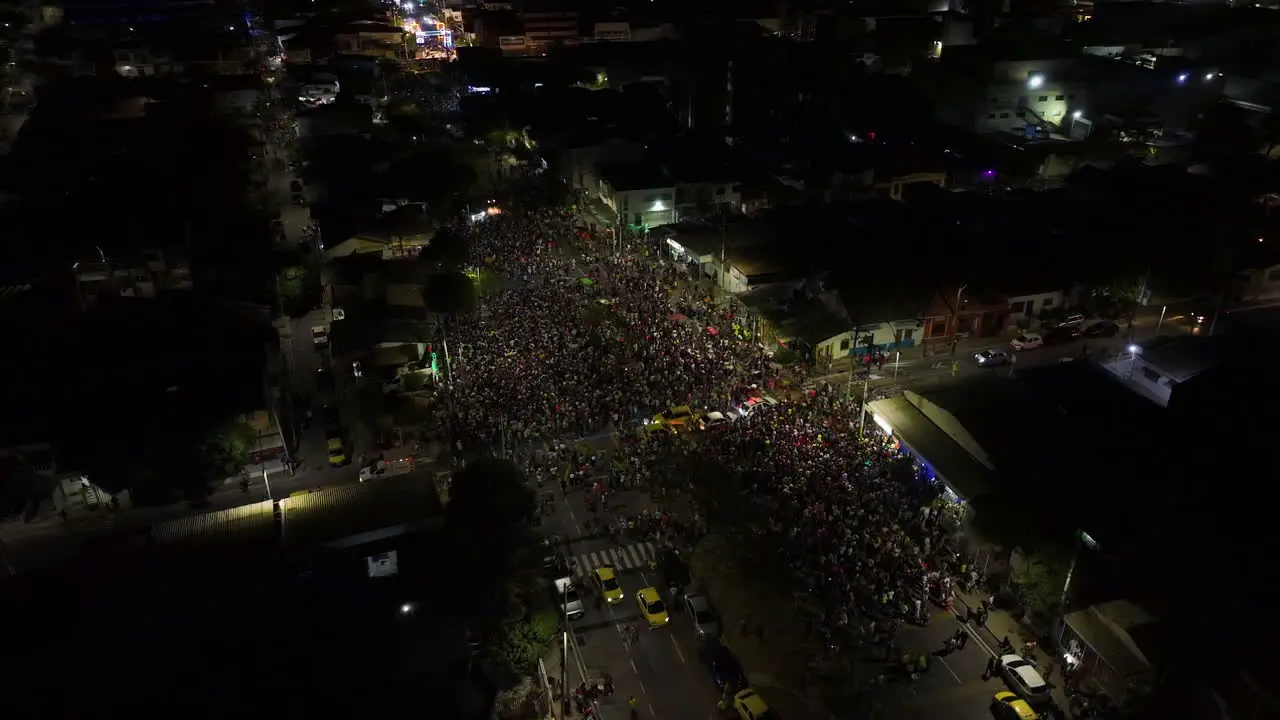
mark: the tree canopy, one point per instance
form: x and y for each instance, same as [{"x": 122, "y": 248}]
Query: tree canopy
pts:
[
  {"x": 496, "y": 555},
  {"x": 450, "y": 293}
]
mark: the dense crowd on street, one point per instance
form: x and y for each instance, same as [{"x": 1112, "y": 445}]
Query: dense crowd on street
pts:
[{"x": 584, "y": 342}]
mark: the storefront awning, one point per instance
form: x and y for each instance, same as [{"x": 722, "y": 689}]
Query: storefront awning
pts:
[{"x": 967, "y": 477}]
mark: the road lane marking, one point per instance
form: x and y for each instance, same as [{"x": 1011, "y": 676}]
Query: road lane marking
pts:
[
  {"x": 948, "y": 667},
  {"x": 680, "y": 654}
]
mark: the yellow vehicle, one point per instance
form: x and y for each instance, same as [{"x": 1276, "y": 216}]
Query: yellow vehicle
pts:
[
  {"x": 657, "y": 428},
  {"x": 1008, "y": 706},
  {"x": 607, "y": 583},
  {"x": 337, "y": 453},
  {"x": 675, "y": 417},
  {"x": 652, "y": 608},
  {"x": 751, "y": 706}
]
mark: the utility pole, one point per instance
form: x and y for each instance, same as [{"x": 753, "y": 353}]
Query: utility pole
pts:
[
  {"x": 724, "y": 248},
  {"x": 955, "y": 320}
]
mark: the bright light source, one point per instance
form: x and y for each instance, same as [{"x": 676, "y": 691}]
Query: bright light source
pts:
[
  {"x": 407, "y": 608},
  {"x": 1035, "y": 80},
  {"x": 1210, "y": 76},
  {"x": 1182, "y": 78},
  {"x": 657, "y": 206},
  {"x": 1135, "y": 349},
  {"x": 1077, "y": 114},
  {"x": 884, "y": 424}
]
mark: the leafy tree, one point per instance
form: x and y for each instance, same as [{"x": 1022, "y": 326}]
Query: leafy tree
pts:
[
  {"x": 448, "y": 251},
  {"x": 225, "y": 449},
  {"x": 450, "y": 294},
  {"x": 292, "y": 285},
  {"x": 1038, "y": 577},
  {"x": 488, "y": 522}
]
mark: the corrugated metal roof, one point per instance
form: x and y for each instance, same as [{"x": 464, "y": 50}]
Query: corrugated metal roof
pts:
[
  {"x": 1106, "y": 640},
  {"x": 247, "y": 522},
  {"x": 335, "y": 513}
]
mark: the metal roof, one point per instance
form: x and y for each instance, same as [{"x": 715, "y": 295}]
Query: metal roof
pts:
[
  {"x": 968, "y": 477},
  {"x": 1110, "y": 642},
  {"x": 328, "y": 515},
  {"x": 247, "y": 522}
]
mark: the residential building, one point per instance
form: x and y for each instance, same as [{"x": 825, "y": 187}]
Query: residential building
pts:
[
  {"x": 545, "y": 28},
  {"x": 1156, "y": 369},
  {"x": 641, "y": 196},
  {"x": 368, "y": 37},
  {"x": 1025, "y": 306},
  {"x": 1047, "y": 88}
]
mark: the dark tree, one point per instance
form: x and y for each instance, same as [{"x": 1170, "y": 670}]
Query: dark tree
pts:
[
  {"x": 447, "y": 251},
  {"x": 450, "y": 294},
  {"x": 490, "y": 506}
]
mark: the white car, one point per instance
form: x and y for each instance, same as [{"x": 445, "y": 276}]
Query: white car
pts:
[
  {"x": 712, "y": 419},
  {"x": 1023, "y": 678},
  {"x": 994, "y": 356},
  {"x": 385, "y": 468},
  {"x": 1027, "y": 341}
]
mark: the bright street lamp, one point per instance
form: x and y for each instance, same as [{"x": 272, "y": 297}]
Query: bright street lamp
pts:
[
  {"x": 1035, "y": 80},
  {"x": 1077, "y": 114}
]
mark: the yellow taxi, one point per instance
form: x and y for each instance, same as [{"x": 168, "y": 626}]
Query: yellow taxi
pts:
[
  {"x": 652, "y": 608},
  {"x": 751, "y": 706},
  {"x": 675, "y": 417},
  {"x": 607, "y": 583},
  {"x": 337, "y": 453},
  {"x": 657, "y": 429},
  {"x": 1008, "y": 706}
]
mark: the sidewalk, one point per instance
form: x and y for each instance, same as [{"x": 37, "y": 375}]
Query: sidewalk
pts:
[{"x": 1000, "y": 624}]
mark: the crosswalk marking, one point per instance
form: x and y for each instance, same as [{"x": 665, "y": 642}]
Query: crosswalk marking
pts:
[{"x": 630, "y": 557}]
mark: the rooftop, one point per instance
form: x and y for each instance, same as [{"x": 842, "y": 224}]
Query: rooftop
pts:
[
  {"x": 1182, "y": 358},
  {"x": 625, "y": 178}
]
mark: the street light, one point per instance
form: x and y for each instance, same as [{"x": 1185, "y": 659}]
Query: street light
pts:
[
  {"x": 1035, "y": 80},
  {"x": 1077, "y": 114}
]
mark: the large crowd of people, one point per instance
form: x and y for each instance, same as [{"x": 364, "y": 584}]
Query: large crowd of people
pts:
[{"x": 582, "y": 342}]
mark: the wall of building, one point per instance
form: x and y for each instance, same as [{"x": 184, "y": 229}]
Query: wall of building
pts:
[
  {"x": 1028, "y": 307},
  {"x": 646, "y": 208}
]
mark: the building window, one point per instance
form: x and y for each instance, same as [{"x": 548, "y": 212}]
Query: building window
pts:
[
  {"x": 1004, "y": 116},
  {"x": 1059, "y": 97},
  {"x": 1047, "y": 302},
  {"x": 1043, "y": 98},
  {"x": 991, "y": 116},
  {"x": 1150, "y": 374},
  {"x": 844, "y": 344}
]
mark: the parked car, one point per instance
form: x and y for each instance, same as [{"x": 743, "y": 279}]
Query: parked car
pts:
[
  {"x": 1062, "y": 334},
  {"x": 1027, "y": 341},
  {"x": 566, "y": 594},
  {"x": 994, "y": 356},
  {"x": 705, "y": 622},
  {"x": 337, "y": 452},
  {"x": 1103, "y": 328},
  {"x": 385, "y": 468},
  {"x": 726, "y": 671},
  {"x": 1023, "y": 678}
]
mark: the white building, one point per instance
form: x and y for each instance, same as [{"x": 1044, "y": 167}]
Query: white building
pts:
[
  {"x": 642, "y": 198},
  {"x": 1025, "y": 307},
  {"x": 1155, "y": 369}
]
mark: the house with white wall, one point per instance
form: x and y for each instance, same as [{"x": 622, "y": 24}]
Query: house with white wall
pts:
[
  {"x": 1026, "y": 305},
  {"x": 642, "y": 196}
]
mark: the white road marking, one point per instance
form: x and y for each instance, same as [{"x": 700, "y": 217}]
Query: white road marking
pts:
[
  {"x": 680, "y": 654},
  {"x": 948, "y": 667}
]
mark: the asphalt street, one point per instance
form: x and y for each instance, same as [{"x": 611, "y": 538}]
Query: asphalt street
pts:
[
  {"x": 662, "y": 671},
  {"x": 953, "y": 686}
]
